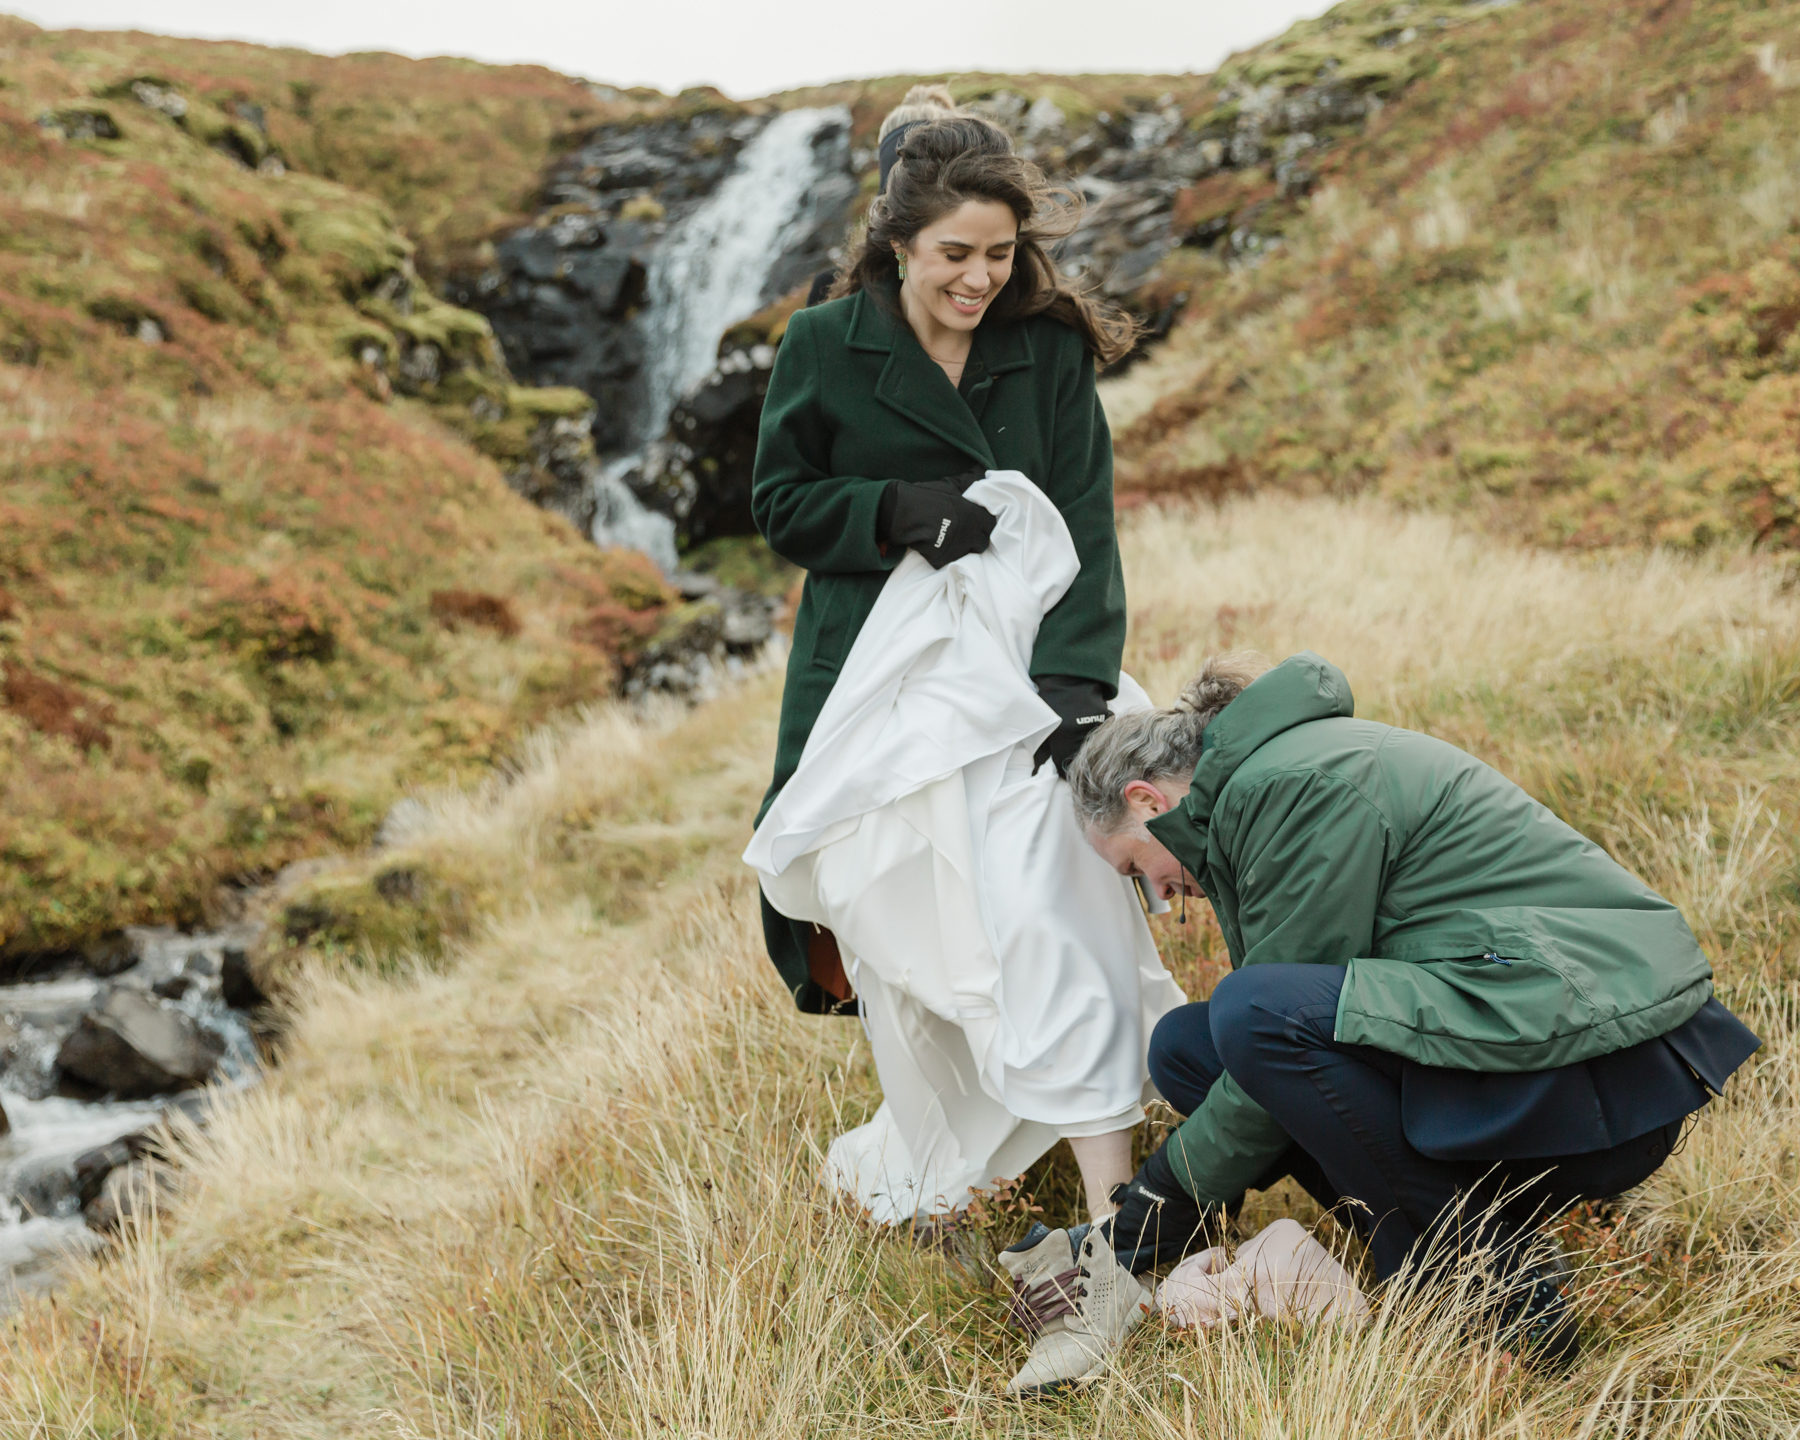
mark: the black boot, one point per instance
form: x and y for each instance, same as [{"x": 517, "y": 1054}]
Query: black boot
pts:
[{"x": 1533, "y": 1317}]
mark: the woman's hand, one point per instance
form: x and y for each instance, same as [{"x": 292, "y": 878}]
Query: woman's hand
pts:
[
  {"x": 1081, "y": 706},
  {"x": 933, "y": 518}
]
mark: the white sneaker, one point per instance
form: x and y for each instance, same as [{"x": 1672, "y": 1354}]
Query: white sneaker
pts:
[{"x": 1076, "y": 1302}]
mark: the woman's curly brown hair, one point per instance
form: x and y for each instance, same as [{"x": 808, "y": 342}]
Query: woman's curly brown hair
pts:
[{"x": 942, "y": 165}]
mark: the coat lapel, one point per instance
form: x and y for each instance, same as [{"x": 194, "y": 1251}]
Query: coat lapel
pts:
[
  {"x": 914, "y": 387},
  {"x": 996, "y": 351}
]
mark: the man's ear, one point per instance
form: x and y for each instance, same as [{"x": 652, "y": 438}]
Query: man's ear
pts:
[{"x": 1144, "y": 797}]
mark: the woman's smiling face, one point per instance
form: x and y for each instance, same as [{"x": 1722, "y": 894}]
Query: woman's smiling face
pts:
[{"x": 956, "y": 265}]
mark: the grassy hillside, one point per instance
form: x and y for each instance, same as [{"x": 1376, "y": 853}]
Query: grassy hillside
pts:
[
  {"x": 1556, "y": 284},
  {"x": 235, "y": 511},
  {"x": 452, "y": 147},
  {"x": 562, "y": 1185}
]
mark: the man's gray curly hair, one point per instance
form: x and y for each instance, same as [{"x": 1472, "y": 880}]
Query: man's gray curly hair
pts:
[{"x": 1151, "y": 744}]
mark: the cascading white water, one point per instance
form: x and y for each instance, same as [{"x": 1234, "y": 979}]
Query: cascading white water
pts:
[
  {"x": 707, "y": 275},
  {"x": 712, "y": 272}
]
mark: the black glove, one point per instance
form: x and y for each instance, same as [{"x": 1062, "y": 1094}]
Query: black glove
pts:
[
  {"x": 1157, "y": 1222},
  {"x": 933, "y": 518},
  {"x": 1082, "y": 706}
]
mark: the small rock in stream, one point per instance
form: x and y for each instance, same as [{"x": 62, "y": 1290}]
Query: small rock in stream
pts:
[
  {"x": 93, "y": 1166},
  {"x": 109, "y": 954},
  {"x": 133, "y": 1046},
  {"x": 128, "y": 1191},
  {"x": 237, "y": 986}
]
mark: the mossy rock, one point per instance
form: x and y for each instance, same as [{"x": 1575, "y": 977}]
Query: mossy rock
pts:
[
  {"x": 744, "y": 562},
  {"x": 550, "y": 402},
  {"x": 767, "y": 325},
  {"x": 357, "y": 244},
  {"x": 466, "y": 387},
  {"x": 387, "y": 906},
  {"x": 461, "y": 334},
  {"x": 84, "y": 122},
  {"x": 212, "y": 126},
  {"x": 353, "y": 340},
  {"x": 1079, "y": 113},
  {"x": 633, "y": 580},
  {"x": 696, "y": 625}
]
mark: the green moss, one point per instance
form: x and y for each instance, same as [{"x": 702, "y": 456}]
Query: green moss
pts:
[
  {"x": 352, "y": 340},
  {"x": 356, "y": 243},
  {"x": 555, "y": 402},
  {"x": 463, "y": 335},
  {"x": 744, "y": 562},
  {"x": 212, "y": 126},
  {"x": 390, "y": 908},
  {"x": 686, "y": 624}
]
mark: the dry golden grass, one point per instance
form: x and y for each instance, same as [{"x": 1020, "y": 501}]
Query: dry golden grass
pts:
[{"x": 562, "y": 1183}]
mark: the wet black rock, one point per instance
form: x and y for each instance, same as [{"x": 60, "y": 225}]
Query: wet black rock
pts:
[
  {"x": 699, "y": 473},
  {"x": 93, "y": 1166},
  {"x": 143, "y": 1187},
  {"x": 109, "y": 954},
  {"x": 173, "y": 987},
  {"x": 237, "y": 983},
  {"x": 132, "y": 1045},
  {"x": 561, "y": 293}
]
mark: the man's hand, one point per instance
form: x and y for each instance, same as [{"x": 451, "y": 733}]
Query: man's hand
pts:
[
  {"x": 1081, "y": 704},
  {"x": 933, "y": 518}
]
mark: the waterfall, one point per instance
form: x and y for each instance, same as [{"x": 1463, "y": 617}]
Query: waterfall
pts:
[
  {"x": 708, "y": 274},
  {"x": 620, "y": 518},
  {"x": 711, "y": 273}
]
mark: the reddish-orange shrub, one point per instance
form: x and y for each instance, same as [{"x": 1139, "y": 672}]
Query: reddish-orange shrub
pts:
[
  {"x": 56, "y": 709},
  {"x": 490, "y": 612}
]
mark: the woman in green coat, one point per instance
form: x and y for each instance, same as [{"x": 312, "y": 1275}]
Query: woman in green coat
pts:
[{"x": 951, "y": 347}]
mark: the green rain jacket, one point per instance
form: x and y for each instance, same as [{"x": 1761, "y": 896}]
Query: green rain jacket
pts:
[
  {"x": 1480, "y": 932},
  {"x": 855, "y": 402}
]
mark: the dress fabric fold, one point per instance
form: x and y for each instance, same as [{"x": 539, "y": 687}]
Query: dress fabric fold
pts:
[{"x": 1008, "y": 980}]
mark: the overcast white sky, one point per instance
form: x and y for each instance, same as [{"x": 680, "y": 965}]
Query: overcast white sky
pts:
[{"x": 746, "y": 47}]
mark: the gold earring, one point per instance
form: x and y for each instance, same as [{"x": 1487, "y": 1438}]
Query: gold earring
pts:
[{"x": 901, "y": 260}]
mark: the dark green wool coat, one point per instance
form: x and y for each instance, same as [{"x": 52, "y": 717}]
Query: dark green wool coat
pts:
[
  {"x": 855, "y": 402},
  {"x": 1480, "y": 932}
]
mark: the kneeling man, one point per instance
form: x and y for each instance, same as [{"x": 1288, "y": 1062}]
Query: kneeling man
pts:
[{"x": 1447, "y": 1008}]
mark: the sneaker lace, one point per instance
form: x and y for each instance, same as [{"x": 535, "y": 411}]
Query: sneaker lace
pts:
[{"x": 1033, "y": 1307}]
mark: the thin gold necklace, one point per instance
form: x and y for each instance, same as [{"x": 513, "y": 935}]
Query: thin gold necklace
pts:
[{"x": 939, "y": 360}]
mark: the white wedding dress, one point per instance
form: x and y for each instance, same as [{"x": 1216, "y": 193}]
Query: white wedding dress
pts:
[{"x": 1007, "y": 976}]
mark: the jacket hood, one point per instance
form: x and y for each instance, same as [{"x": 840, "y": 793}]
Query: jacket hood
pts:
[{"x": 1301, "y": 688}]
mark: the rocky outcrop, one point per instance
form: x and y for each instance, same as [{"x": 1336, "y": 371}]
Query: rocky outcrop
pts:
[
  {"x": 565, "y": 293},
  {"x": 133, "y": 1045},
  {"x": 699, "y": 473},
  {"x": 1156, "y": 180},
  {"x": 717, "y": 635}
]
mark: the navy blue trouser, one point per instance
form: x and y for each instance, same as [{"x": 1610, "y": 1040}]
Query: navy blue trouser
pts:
[{"x": 1271, "y": 1027}]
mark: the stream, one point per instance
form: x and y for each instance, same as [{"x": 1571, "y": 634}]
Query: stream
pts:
[{"x": 57, "y": 1119}]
